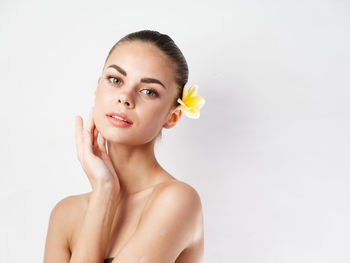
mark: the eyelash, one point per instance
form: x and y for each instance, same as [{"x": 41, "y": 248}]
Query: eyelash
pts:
[{"x": 153, "y": 90}]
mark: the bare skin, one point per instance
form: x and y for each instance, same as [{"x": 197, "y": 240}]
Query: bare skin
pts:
[{"x": 136, "y": 212}]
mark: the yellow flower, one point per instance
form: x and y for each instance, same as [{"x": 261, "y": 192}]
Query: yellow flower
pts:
[{"x": 190, "y": 102}]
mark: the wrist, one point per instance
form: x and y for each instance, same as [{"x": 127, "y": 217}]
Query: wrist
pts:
[
  {"x": 104, "y": 184},
  {"x": 106, "y": 189}
]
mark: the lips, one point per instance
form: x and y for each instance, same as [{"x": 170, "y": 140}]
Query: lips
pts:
[{"x": 121, "y": 115}]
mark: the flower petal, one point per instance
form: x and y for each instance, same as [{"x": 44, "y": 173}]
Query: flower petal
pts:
[
  {"x": 189, "y": 91},
  {"x": 192, "y": 91},
  {"x": 185, "y": 91},
  {"x": 193, "y": 113},
  {"x": 191, "y": 103},
  {"x": 196, "y": 101},
  {"x": 184, "y": 104}
]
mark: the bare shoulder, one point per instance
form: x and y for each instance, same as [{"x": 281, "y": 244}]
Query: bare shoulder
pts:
[
  {"x": 179, "y": 199},
  {"x": 188, "y": 202},
  {"x": 72, "y": 204},
  {"x": 72, "y": 201},
  {"x": 70, "y": 211},
  {"x": 178, "y": 191},
  {"x": 63, "y": 218}
]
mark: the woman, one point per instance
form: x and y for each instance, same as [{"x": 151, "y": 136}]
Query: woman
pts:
[{"x": 137, "y": 211}]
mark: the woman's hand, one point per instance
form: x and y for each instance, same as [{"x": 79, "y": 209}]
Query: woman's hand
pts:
[{"x": 93, "y": 156}]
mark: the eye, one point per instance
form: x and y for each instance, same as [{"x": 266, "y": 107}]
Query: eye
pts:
[
  {"x": 151, "y": 91},
  {"x": 113, "y": 78}
]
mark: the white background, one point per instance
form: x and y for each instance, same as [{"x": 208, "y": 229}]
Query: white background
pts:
[{"x": 269, "y": 155}]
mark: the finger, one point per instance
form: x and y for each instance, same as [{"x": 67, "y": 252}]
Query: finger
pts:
[
  {"x": 93, "y": 130},
  {"x": 78, "y": 134},
  {"x": 102, "y": 143},
  {"x": 89, "y": 123},
  {"x": 95, "y": 136},
  {"x": 87, "y": 142},
  {"x": 89, "y": 130}
]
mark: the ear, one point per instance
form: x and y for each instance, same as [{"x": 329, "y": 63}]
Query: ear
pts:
[{"x": 174, "y": 117}]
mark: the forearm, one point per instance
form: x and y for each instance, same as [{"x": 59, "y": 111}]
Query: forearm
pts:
[{"x": 96, "y": 227}]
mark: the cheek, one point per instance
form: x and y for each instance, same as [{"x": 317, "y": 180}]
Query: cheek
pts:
[
  {"x": 98, "y": 117},
  {"x": 154, "y": 118},
  {"x": 97, "y": 94},
  {"x": 101, "y": 95}
]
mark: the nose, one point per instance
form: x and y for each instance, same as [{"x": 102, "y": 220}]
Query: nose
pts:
[
  {"x": 124, "y": 101},
  {"x": 125, "y": 98}
]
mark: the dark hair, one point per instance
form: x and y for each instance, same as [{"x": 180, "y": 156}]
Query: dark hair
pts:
[{"x": 168, "y": 46}]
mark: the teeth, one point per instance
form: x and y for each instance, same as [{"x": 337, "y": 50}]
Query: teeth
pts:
[{"x": 119, "y": 118}]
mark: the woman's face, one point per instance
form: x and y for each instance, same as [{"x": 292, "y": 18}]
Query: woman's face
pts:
[{"x": 147, "y": 103}]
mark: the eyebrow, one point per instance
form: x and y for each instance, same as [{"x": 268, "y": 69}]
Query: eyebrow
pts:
[{"x": 144, "y": 80}]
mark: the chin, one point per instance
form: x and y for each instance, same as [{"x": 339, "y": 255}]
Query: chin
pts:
[
  {"x": 128, "y": 136},
  {"x": 114, "y": 136}
]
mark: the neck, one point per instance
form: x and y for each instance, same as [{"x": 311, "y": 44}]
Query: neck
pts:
[{"x": 136, "y": 166}]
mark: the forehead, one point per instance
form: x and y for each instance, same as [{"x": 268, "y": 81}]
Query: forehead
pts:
[{"x": 142, "y": 59}]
